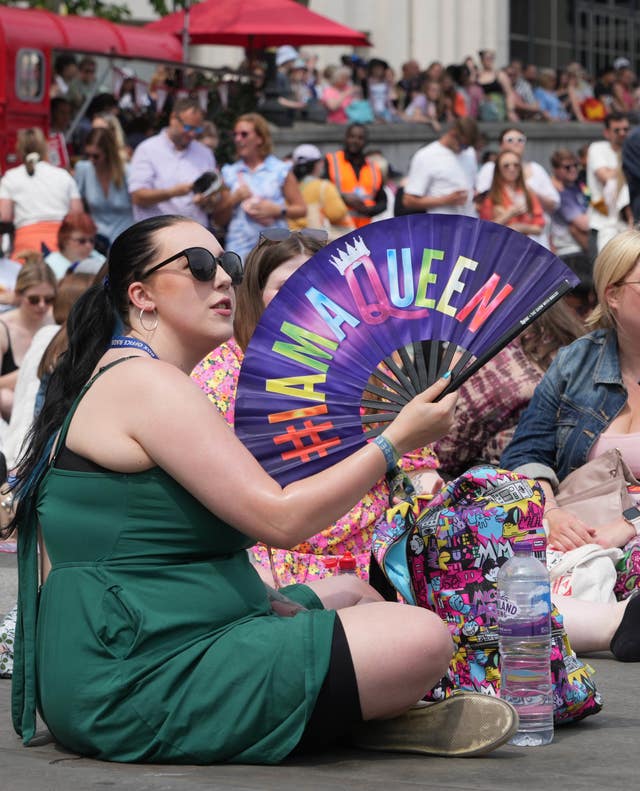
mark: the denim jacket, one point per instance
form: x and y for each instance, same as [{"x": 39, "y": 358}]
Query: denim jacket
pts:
[{"x": 576, "y": 400}]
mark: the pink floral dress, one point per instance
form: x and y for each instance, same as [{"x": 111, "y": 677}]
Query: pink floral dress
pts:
[{"x": 217, "y": 375}]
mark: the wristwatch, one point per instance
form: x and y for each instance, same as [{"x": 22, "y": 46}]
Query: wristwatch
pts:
[{"x": 632, "y": 515}]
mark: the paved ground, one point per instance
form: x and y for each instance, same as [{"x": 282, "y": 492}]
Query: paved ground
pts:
[{"x": 597, "y": 753}]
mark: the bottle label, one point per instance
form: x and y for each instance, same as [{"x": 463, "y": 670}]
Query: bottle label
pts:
[{"x": 534, "y": 620}]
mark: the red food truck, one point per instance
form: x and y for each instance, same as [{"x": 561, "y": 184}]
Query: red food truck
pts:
[{"x": 29, "y": 42}]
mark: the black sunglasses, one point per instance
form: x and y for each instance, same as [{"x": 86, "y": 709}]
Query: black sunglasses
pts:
[
  {"x": 202, "y": 264},
  {"x": 278, "y": 234}
]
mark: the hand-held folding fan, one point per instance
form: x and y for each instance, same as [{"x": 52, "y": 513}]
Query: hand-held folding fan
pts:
[{"x": 373, "y": 319}]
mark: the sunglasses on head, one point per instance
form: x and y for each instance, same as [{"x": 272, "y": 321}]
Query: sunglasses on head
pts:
[
  {"x": 203, "y": 263},
  {"x": 515, "y": 139},
  {"x": 34, "y": 299},
  {"x": 282, "y": 234}
]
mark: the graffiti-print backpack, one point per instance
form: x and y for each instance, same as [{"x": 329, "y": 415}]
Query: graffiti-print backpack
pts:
[{"x": 444, "y": 553}]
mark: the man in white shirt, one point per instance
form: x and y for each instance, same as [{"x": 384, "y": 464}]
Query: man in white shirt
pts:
[
  {"x": 441, "y": 174},
  {"x": 535, "y": 176},
  {"x": 607, "y": 184}
]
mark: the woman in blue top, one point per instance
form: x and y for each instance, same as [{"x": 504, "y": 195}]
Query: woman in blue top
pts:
[
  {"x": 102, "y": 181},
  {"x": 261, "y": 189}
]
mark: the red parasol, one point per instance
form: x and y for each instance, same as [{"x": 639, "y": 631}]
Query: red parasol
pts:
[{"x": 255, "y": 24}]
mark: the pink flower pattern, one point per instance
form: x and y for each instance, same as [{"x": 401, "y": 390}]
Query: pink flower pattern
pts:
[{"x": 217, "y": 375}]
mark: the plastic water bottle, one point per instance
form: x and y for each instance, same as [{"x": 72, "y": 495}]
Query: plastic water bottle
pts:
[{"x": 524, "y": 628}]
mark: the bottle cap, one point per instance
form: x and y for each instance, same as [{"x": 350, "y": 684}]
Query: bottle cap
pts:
[
  {"x": 347, "y": 562},
  {"x": 330, "y": 563}
]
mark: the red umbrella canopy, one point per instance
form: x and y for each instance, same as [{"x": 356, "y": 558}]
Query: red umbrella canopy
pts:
[{"x": 256, "y": 24}]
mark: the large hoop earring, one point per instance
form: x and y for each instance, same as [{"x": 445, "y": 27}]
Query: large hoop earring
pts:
[{"x": 154, "y": 322}]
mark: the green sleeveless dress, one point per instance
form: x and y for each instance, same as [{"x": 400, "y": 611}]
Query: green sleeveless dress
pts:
[{"x": 153, "y": 639}]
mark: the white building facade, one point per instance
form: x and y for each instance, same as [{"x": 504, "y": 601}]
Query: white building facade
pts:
[{"x": 400, "y": 30}]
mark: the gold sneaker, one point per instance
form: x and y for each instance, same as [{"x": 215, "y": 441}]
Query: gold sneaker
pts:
[{"x": 466, "y": 724}]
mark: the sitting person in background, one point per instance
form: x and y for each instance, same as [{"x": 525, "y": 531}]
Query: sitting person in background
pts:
[
  {"x": 491, "y": 402},
  {"x": 586, "y": 403},
  {"x": 570, "y": 226},
  {"x": 276, "y": 257},
  {"x": 379, "y": 90},
  {"x": 325, "y": 207},
  {"x": 76, "y": 241},
  {"x": 338, "y": 95},
  {"x": 550, "y": 105},
  {"x": 427, "y": 106},
  {"x": 509, "y": 201},
  {"x": 35, "y": 293}
]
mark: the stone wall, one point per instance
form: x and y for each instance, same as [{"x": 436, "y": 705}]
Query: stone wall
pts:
[{"x": 399, "y": 142}]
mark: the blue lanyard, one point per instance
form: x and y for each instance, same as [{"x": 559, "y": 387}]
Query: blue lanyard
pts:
[{"x": 124, "y": 342}]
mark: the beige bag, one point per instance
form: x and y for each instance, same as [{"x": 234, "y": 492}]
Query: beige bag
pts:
[{"x": 597, "y": 492}]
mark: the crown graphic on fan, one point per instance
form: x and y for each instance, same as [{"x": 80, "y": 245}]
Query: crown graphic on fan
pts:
[
  {"x": 373, "y": 319},
  {"x": 343, "y": 259}
]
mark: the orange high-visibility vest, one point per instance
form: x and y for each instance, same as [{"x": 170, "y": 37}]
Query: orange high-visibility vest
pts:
[{"x": 367, "y": 185}]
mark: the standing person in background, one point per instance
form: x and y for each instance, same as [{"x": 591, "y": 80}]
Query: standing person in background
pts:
[
  {"x": 509, "y": 202},
  {"x": 65, "y": 71},
  {"x": 325, "y": 207},
  {"x": 61, "y": 113},
  {"x": 609, "y": 211},
  {"x": 102, "y": 181},
  {"x": 536, "y": 177},
  {"x": 358, "y": 179},
  {"x": 85, "y": 85},
  {"x": 499, "y": 101},
  {"x": 261, "y": 190},
  {"x": 36, "y": 196},
  {"x": 164, "y": 167},
  {"x": 631, "y": 168},
  {"x": 441, "y": 174}
]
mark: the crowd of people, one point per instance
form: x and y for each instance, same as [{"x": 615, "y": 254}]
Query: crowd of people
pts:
[{"x": 141, "y": 265}]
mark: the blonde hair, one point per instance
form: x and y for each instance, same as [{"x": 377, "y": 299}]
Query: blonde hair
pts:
[
  {"x": 31, "y": 147},
  {"x": 33, "y": 274},
  {"x": 617, "y": 258},
  {"x": 261, "y": 128}
]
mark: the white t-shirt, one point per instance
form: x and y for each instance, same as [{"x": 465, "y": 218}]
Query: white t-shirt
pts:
[
  {"x": 436, "y": 170},
  {"x": 601, "y": 155},
  {"x": 44, "y": 197},
  {"x": 537, "y": 180}
]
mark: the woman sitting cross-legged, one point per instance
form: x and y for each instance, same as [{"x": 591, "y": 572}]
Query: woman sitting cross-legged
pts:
[
  {"x": 150, "y": 612},
  {"x": 588, "y": 402}
]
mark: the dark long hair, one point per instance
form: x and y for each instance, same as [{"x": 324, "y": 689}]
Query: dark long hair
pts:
[{"x": 98, "y": 314}]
